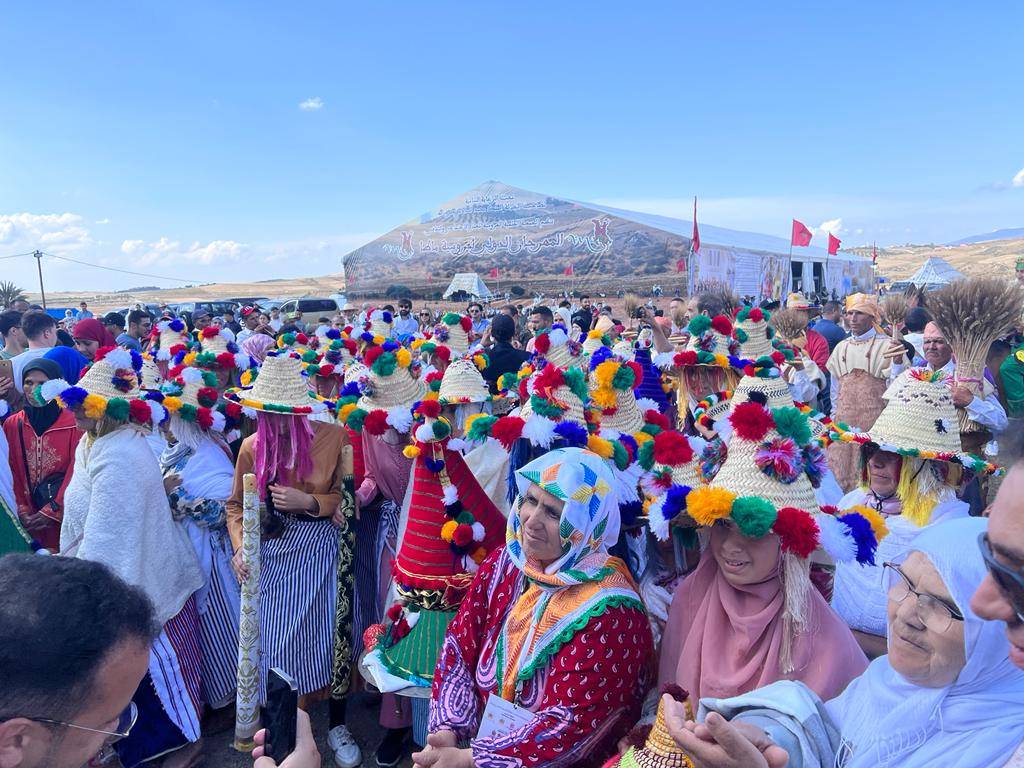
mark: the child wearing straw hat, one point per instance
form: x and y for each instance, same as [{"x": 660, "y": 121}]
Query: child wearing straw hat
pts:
[
  {"x": 115, "y": 472},
  {"x": 298, "y": 469}
]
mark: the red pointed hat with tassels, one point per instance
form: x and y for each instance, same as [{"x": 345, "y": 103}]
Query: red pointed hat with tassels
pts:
[{"x": 453, "y": 524}]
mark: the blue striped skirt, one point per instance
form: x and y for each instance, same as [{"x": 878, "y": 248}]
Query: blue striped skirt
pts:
[{"x": 298, "y": 596}]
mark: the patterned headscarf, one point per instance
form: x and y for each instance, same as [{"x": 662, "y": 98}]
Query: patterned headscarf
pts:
[{"x": 582, "y": 583}]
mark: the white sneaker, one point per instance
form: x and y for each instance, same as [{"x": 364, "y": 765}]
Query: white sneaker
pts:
[{"x": 346, "y": 751}]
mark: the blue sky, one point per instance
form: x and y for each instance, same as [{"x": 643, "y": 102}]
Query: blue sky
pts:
[{"x": 171, "y": 138}]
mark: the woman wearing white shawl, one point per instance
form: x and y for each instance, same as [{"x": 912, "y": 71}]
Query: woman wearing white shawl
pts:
[
  {"x": 198, "y": 474},
  {"x": 884, "y": 719}
]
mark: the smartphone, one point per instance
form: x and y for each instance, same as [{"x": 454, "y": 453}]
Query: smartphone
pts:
[
  {"x": 280, "y": 715},
  {"x": 7, "y": 369}
]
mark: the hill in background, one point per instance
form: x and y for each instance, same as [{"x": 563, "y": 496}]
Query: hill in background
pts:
[{"x": 991, "y": 257}]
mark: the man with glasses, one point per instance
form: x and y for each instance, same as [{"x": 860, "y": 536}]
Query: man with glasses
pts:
[
  {"x": 74, "y": 646},
  {"x": 476, "y": 315},
  {"x": 406, "y": 326},
  {"x": 1001, "y": 595}
]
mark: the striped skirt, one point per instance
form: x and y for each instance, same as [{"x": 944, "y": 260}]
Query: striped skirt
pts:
[
  {"x": 219, "y": 605},
  {"x": 376, "y": 532},
  {"x": 298, "y": 595}
]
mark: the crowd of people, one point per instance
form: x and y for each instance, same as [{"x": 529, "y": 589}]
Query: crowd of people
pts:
[{"x": 715, "y": 534}]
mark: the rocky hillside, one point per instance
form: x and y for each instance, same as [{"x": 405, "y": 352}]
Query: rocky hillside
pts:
[{"x": 994, "y": 257}]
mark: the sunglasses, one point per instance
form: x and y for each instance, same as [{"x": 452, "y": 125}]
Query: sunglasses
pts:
[{"x": 1009, "y": 581}]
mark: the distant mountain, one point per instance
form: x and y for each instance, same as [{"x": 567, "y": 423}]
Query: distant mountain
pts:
[
  {"x": 999, "y": 234},
  {"x": 987, "y": 257}
]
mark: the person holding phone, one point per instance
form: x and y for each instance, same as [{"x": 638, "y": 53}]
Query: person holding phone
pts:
[{"x": 42, "y": 440}]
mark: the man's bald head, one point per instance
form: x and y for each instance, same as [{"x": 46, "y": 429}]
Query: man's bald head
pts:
[{"x": 936, "y": 351}]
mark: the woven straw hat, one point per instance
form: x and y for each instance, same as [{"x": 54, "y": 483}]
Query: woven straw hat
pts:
[
  {"x": 355, "y": 371},
  {"x": 562, "y": 395},
  {"x": 594, "y": 341},
  {"x": 216, "y": 344},
  {"x": 757, "y": 343},
  {"x": 451, "y": 332},
  {"x": 776, "y": 393},
  {"x": 624, "y": 350},
  {"x": 281, "y": 387},
  {"x": 463, "y": 383},
  {"x": 386, "y": 392},
  {"x": 151, "y": 378},
  {"x": 741, "y": 475},
  {"x": 627, "y": 417},
  {"x": 99, "y": 379},
  {"x": 187, "y": 385},
  {"x": 711, "y": 339},
  {"x": 381, "y": 323},
  {"x": 920, "y": 414},
  {"x": 171, "y": 333}
]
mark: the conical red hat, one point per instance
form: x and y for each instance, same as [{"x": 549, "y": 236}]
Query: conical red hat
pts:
[{"x": 425, "y": 560}]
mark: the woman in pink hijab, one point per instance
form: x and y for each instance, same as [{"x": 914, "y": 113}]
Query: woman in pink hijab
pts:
[
  {"x": 257, "y": 345},
  {"x": 90, "y": 335}
]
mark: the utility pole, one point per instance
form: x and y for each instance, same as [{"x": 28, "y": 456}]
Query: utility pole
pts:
[{"x": 39, "y": 267}]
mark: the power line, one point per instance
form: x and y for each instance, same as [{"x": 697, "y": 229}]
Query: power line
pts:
[
  {"x": 117, "y": 269},
  {"x": 15, "y": 255}
]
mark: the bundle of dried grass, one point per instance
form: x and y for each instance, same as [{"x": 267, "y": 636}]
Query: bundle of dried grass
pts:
[
  {"x": 894, "y": 312},
  {"x": 790, "y": 323},
  {"x": 973, "y": 313},
  {"x": 630, "y": 302}
]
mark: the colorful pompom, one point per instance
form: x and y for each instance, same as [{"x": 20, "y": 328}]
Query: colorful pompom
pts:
[
  {"x": 797, "y": 531},
  {"x": 753, "y": 515},
  {"x": 706, "y": 505},
  {"x": 750, "y": 421}
]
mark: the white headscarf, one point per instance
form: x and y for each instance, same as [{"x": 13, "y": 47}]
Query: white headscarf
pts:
[{"x": 886, "y": 720}]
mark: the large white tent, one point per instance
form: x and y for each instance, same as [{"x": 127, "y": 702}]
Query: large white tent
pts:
[
  {"x": 934, "y": 273},
  {"x": 470, "y": 284}
]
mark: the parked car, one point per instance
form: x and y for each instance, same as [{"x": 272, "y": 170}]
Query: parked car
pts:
[
  {"x": 187, "y": 309},
  {"x": 311, "y": 306}
]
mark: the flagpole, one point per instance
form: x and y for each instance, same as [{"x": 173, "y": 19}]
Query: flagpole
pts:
[{"x": 787, "y": 284}]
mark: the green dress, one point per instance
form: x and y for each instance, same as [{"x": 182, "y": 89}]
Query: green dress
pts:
[
  {"x": 1012, "y": 374},
  {"x": 13, "y": 536}
]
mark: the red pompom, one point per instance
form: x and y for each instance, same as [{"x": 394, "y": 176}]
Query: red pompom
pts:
[
  {"x": 689, "y": 357},
  {"x": 204, "y": 417},
  {"x": 778, "y": 358},
  {"x": 370, "y": 355},
  {"x": 101, "y": 353},
  {"x": 301, "y": 338},
  {"x": 657, "y": 419},
  {"x": 751, "y": 420},
  {"x": 524, "y": 393},
  {"x": 376, "y": 422},
  {"x": 749, "y": 370},
  {"x": 507, "y": 430},
  {"x": 434, "y": 376},
  {"x": 756, "y": 315},
  {"x": 175, "y": 372},
  {"x": 207, "y": 396},
  {"x": 672, "y": 448},
  {"x": 638, "y": 371},
  {"x": 463, "y": 535},
  {"x": 830, "y": 509},
  {"x": 226, "y": 360},
  {"x": 209, "y": 332},
  {"x": 542, "y": 343},
  {"x": 466, "y": 323},
  {"x": 547, "y": 380},
  {"x": 443, "y": 353},
  {"x": 395, "y": 612},
  {"x": 139, "y": 412},
  {"x": 350, "y": 346},
  {"x": 797, "y": 531},
  {"x": 721, "y": 324},
  {"x": 430, "y": 408},
  {"x": 233, "y": 411}
]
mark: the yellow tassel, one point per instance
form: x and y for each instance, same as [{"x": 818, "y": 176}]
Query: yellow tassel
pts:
[
  {"x": 706, "y": 505},
  {"x": 917, "y": 507},
  {"x": 448, "y": 530},
  {"x": 600, "y": 446},
  {"x": 642, "y": 437},
  {"x": 403, "y": 357},
  {"x": 410, "y": 451},
  {"x": 172, "y": 404}
]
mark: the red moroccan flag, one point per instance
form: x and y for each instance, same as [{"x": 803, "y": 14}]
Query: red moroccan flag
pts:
[
  {"x": 494, "y": 272},
  {"x": 801, "y": 234},
  {"x": 568, "y": 271},
  {"x": 695, "y": 246},
  {"x": 680, "y": 265},
  {"x": 874, "y": 255},
  {"x": 833, "y": 244}
]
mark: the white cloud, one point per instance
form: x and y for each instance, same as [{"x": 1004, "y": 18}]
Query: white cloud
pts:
[
  {"x": 1018, "y": 180},
  {"x": 56, "y": 232},
  {"x": 311, "y": 105},
  {"x": 103, "y": 221},
  {"x": 166, "y": 251},
  {"x": 835, "y": 226}
]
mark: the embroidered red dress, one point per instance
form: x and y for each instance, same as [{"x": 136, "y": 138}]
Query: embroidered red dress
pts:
[
  {"x": 53, "y": 452},
  {"x": 585, "y": 697}
]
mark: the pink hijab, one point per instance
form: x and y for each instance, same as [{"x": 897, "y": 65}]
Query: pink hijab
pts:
[
  {"x": 722, "y": 640},
  {"x": 256, "y": 346}
]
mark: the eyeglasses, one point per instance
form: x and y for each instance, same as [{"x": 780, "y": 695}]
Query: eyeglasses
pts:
[
  {"x": 125, "y": 723},
  {"x": 1009, "y": 581},
  {"x": 935, "y": 614}
]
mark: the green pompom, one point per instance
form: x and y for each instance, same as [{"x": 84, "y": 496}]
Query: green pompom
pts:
[
  {"x": 188, "y": 412},
  {"x": 577, "y": 382},
  {"x": 480, "y": 428},
  {"x": 620, "y": 455},
  {"x": 743, "y": 314},
  {"x": 441, "y": 429},
  {"x": 789, "y": 422},
  {"x": 309, "y": 356},
  {"x": 624, "y": 378},
  {"x": 355, "y": 420},
  {"x": 117, "y": 409},
  {"x": 753, "y": 516},
  {"x": 209, "y": 379},
  {"x": 543, "y": 408},
  {"x": 385, "y": 364},
  {"x": 741, "y": 336},
  {"x": 646, "y": 454},
  {"x": 451, "y": 318},
  {"x": 699, "y": 325}
]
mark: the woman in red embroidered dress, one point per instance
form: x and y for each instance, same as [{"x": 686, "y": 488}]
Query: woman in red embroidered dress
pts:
[
  {"x": 552, "y": 624},
  {"x": 42, "y": 441}
]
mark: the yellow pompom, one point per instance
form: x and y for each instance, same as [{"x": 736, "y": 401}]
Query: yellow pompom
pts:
[
  {"x": 448, "y": 530},
  {"x": 480, "y": 362},
  {"x": 410, "y": 451},
  {"x": 642, "y": 437},
  {"x": 604, "y": 373},
  {"x": 189, "y": 359},
  {"x": 875, "y": 518},
  {"x": 479, "y": 555},
  {"x": 94, "y": 407},
  {"x": 706, "y": 505},
  {"x": 378, "y": 340},
  {"x": 403, "y": 356},
  {"x": 172, "y": 404},
  {"x": 417, "y": 343},
  {"x": 722, "y": 360},
  {"x": 345, "y": 411},
  {"x": 601, "y": 447},
  {"x": 603, "y": 398},
  {"x": 595, "y": 334},
  {"x": 246, "y": 379}
]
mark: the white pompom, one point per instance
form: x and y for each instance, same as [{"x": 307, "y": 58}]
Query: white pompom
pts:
[
  {"x": 558, "y": 337},
  {"x": 163, "y": 355},
  {"x": 400, "y": 417},
  {"x": 646, "y": 404},
  {"x": 656, "y": 519},
  {"x": 451, "y": 494},
  {"x": 664, "y": 360},
  {"x": 242, "y": 361},
  {"x": 539, "y": 430},
  {"x": 478, "y": 532},
  {"x": 119, "y": 359},
  {"x": 609, "y": 434},
  {"x": 249, "y": 412},
  {"x": 219, "y": 422},
  {"x": 836, "y": 538},
  {"x": 52, "y": 388},
  {"x": 157, "y": 412},
  {"x": 424, "y": 433},
  {"x": 192, "y": 376},
  {"x": 458, "y": 444}
]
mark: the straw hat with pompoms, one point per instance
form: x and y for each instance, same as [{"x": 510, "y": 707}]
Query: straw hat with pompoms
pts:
[
  {"x": 390, "y": 388},
  {"x": 463, "y": 382},
  {"x": 281, "y": 387}
]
